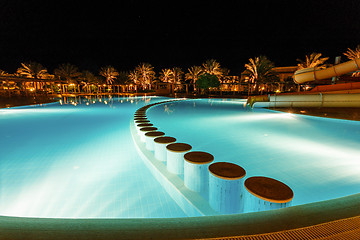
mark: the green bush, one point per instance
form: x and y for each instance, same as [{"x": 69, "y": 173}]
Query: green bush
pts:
[{"x": 206, "y": 81}]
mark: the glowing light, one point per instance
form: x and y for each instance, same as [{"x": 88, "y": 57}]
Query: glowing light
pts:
[{"x": 259, "y": 117}]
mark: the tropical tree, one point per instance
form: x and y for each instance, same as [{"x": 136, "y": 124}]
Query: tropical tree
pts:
[
  {"x": 2, "y": 74},
  {"x": 123, "y": 77},
  {"x": 68, "y": 72},
  {"x": 193, "y": 73},
  {"x": 88, "y": 80},
  {"x": 134, "y": 76},
  {"x": 110, "y": 73},
  {"x": 177, "y": 75},
  {"x": 211, "y": 66},
  {"x": 88, "y": 77},
  {"x": 352, "y": 55},
  {"x": 166, "y": 75},
  {"x": 313, "y": 60},
  {"x": 32, "y": 70},
  {"x": 36, "y": 71},
  {"x": 146, "y": 74},
  {"x": 260, "y": 71},
  {"x": 206, "y": 81}
]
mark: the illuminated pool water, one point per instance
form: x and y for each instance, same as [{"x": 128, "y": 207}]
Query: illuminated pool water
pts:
[
  {"x": 80, "y": 161},
  {"x": 77, "y": 161},
  {"x": 319, "y": 158}
]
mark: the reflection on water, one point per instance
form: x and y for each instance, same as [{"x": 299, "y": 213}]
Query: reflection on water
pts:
[{"x": 102, "y": 99}]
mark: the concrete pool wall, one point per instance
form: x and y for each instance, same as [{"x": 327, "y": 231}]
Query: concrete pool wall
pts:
[{"x": 285, "y": 219}]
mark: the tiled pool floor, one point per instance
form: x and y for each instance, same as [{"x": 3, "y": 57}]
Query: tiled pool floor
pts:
[{"x": 77, "y": 162}]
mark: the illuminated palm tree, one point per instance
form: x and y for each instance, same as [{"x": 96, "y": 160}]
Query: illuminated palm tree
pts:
[
  {"x": 193, "y": 73},
  {"x": 134, "y": 76},
  {"x": 110, "y": 73},
  {"x": 260, "y": 71},
  {"x": 3, "y": 74},
  {"x": 352, "y": 55},
  {"x": 32, "y": 70},
  {"x": 312, "y": 60},
  {"x": 212, "y": 67},
  {"x": 147, "y": 74},
  {"x": 165, "y": 75},
  {"x": 177, "y": 74}
]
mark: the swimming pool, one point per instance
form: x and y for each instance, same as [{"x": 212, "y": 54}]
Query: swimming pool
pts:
[
  {"x": 319, "y": 158},
  {"x": 79, "y": 161}
]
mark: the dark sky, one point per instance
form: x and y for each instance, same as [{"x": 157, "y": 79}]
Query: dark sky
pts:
[{"x": 92, "y": 34}]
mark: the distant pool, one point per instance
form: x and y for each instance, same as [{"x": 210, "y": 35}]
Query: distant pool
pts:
[{"x": 78, "y": 160}]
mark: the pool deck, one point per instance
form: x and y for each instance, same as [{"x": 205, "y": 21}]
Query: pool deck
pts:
[{"x": 338, "y": 113}]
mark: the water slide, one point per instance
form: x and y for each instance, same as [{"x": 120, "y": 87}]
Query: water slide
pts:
[
  {"x": 314, "y": 99},
  {"x": 312, "y": 74}
]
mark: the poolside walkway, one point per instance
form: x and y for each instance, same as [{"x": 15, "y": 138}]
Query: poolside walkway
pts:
[
  {"x": 342, "y": 229},
  {"x": 339, "y": 113}
]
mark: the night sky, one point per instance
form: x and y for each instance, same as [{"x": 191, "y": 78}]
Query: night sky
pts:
[{"x": 92, "y": 34}]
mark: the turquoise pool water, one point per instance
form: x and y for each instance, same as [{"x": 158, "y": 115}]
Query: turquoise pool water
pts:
[
  {"x": 78, "y": 160},
  {"x": 319, "y": 158}
]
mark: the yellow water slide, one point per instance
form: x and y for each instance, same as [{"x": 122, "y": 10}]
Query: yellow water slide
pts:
[{"x": 312, "y": 74}]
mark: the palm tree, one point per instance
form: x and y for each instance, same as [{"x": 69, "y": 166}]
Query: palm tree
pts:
[
  {"x": 352, "y": 55},
  {"x": 212, "y": 67},
  {"x": 134, "y": 77},
  {"x": 3, "y": 74},
  {"x": 110, "y": 73},
  {"x": 32, "y": 70},
  {"x": 123, "y": 80},
  {"x": 165, "y": 75},
  {"x": 313, "y": 60},
  {"x": 193, "y": 73},
  {"x": 177, "y": 74},
  {"x": 123, "y": 77},
  {"x": 69, "y": 73},
  {"x": 146, "y": 73},
  {"x": 88, "y": 79},
  {"x": 260, "y": 71}
]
